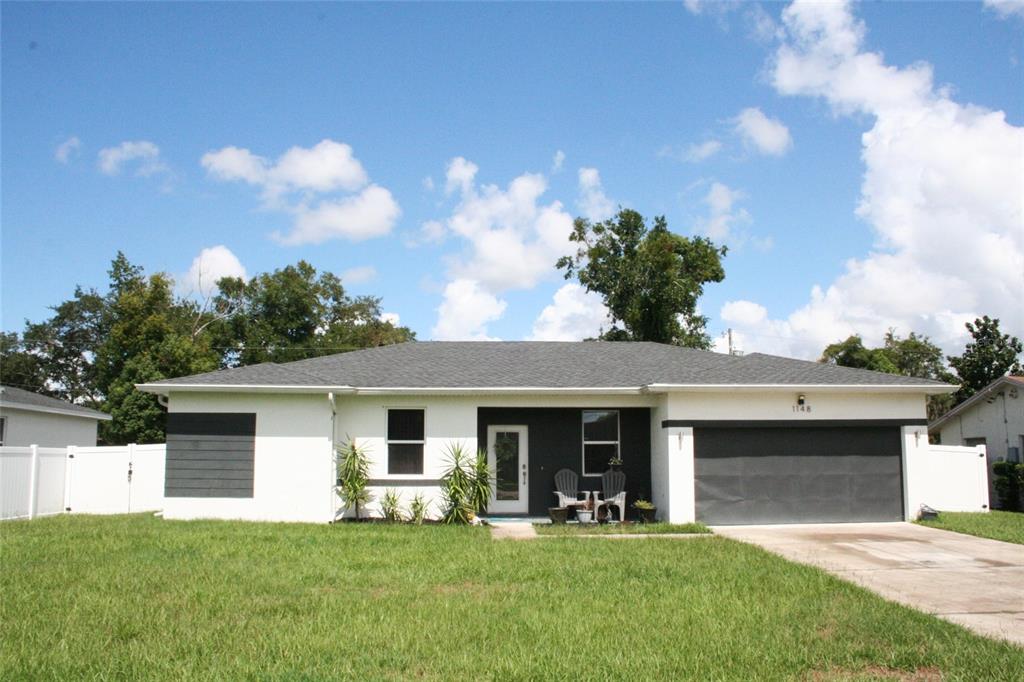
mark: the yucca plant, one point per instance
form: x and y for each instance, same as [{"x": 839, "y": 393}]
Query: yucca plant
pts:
[
  {"x": 390, "y": 505},
  {"x": 417, "y": 509},
  {"x": 353, "y": 476},
  {"x": 483, "y": 482},
  {"x": 457, "y": 485}
]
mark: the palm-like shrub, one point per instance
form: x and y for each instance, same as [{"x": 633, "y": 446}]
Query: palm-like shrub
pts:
[
  {"x": 465, "y": 484},
  {"x": 353, "y": 476},
  {"x": 417, "y": 509},
  {"x": 390, "y": 505}
]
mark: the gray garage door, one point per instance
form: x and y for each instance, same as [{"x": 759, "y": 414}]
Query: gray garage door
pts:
[{"x": 798, "y": 474}]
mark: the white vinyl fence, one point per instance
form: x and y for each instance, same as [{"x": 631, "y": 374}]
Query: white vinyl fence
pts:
[
  {"x": 949, "y": 478},
  {"x": 37, "y": 481}
]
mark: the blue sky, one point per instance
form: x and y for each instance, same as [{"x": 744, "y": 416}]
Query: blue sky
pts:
[{"x": 762, "y": 126}]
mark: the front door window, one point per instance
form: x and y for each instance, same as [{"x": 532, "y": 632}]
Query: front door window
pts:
[{"x": 508, "y": 457}]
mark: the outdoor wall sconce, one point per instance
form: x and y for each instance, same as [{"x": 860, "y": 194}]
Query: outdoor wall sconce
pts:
[{"x": 801, "y": 399}]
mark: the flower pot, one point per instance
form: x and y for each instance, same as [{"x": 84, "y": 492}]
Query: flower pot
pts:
[
  {"x": 558, "y": 514},
  {"x": 584, "y": 515},
  {"x": 646, "y": 515}
]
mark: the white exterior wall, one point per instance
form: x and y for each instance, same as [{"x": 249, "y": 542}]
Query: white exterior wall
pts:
[
  {"x": 752, "y": 406},
  {"x": 1000, "y": 422},
  {"x": 447, "y": 420},
  {"x": 45, "y": 429},
  {"x": 294, "y": 460}
]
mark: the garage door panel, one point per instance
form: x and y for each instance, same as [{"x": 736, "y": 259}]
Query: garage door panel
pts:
[{"x": 798, "y": 475}]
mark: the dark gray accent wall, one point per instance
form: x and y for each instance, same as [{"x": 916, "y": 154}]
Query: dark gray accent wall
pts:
[
  {"x": 556, "y": 442},
  {"x": 210, "y": 454},
  {"x": 788, "y": 423},
  {"x": 798, "y": 475}
]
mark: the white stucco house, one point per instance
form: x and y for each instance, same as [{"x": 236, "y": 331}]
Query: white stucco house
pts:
[
  {"x": 993, "y": 417},
  {"x": 27, "y": 418},
  {"x": 705, "y": 436}
]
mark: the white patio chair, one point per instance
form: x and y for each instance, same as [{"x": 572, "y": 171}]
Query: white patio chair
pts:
[{"x": 613, "y": 493}]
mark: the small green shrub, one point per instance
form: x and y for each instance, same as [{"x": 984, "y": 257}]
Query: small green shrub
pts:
[
  {"x": 353, "y": 476},
  {"x": 417, "y": 509},
  {"x": 1008, "y": 482},
  {"x": 465, "y": 484},
  {"x": 390, "y": 505}
]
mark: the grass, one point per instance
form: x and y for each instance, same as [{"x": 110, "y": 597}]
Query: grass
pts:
[
  {"x": 137, "y": 597},
  {"x": 571, "y": 529},
  {"x": 997, "y": 525}
]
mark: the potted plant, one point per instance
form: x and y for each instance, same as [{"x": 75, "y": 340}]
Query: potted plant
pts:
[
  {"x": 585, "y": 514},
  {"x": 558, "y": 515},
  {"x": 645, "y": 510},
  {"x": 615, "y": 463}
]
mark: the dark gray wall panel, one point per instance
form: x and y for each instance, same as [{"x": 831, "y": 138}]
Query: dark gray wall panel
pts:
[
  {"x": 556, "y": 442},
  {"x": 210, "y": 454},
  {"x": 798, "y": 474}
]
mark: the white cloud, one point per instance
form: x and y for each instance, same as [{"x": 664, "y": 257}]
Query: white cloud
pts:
[
  {"x": 593, "y": 202},
  {"x": 428, "y": 183},
  {"x": 702, "y": 151},
  {"x": 296, "y": 182},
  {"x": 557, "y": 161},
  {"x": 393, "y": 318},
  {"x": 693, "y": 6},
  {"x": 573, "y": 315},
  {"x": 1006, "y": 8},
  {"x": 66, "y": 149},
  {"x": 695, "y": 153},
  {"x": 941, "y": 191},
  {"x": 460, "y": 175},
  {"x": 359, "y": 275},
  {"x": 358, "y": 217},
  {"x": 328, "y": 166},
  {"x": 208, "y": 268},
  {"x": 724, "y": 218},
  {"x": 511, "y": 241},
  {"x": 768, "y": 135},
  {"x": 143, "y": 154},
  {"x": 465, "y": 312}
]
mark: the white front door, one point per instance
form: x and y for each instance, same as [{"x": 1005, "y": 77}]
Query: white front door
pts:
[{"x": 508, "y": 456}]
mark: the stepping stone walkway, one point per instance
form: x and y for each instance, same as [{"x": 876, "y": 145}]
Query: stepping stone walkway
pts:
[{"x": 512, "y": 530}]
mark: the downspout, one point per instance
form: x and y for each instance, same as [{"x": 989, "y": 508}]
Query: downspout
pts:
[{"x": 334, "y": 456}]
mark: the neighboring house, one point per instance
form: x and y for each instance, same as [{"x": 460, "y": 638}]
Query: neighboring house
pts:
[
  {"x": 27, "y": 418},
  {"x": 993, "y": 417},
  {"x": 707, "y": 436}
]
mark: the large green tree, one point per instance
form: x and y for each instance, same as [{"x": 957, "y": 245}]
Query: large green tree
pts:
[
  {"x": 96, "y": 347},
  {"x": 990, "y": 355},
  {"x": 295, "y": 313},
  {"x": 649, "y": 277},
  {"x": 913, "y": 356},
  {"x": 19, "y": 367}
]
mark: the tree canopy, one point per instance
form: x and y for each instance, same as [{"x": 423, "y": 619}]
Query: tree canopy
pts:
[
  {"x": 96, "y": 347},
  {"x": 914, "y": 356},
  {"x": 990, "y": 355},
  {"x": 650, "y": 278}
]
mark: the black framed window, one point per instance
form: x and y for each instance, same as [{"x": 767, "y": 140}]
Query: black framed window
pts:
[
  {"x": 3, "y": 429},
  {"x": 600, "y": 440},
  {"x": 405, "y": 441}
]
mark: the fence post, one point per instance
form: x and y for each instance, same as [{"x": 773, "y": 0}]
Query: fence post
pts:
[
  {"x": 131, "y": 464},
  {"x": 33, "y": 480},
  {"x": 69, "y": 464}
]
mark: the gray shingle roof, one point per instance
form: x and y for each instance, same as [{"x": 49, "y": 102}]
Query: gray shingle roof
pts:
[
  {"x": 19, "y": 397},
  {"x": 519, "y": 364}
]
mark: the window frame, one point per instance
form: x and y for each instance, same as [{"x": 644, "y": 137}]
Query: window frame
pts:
[
  {"x": 3, "y": 430},
  {"x": 388, "y": 442},
  {"x": 583, "y": 433}
]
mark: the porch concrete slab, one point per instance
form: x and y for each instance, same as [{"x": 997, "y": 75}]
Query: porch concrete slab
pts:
[
  {"x": 974, "y": 582},
  {"x": 512, "y": 530}
]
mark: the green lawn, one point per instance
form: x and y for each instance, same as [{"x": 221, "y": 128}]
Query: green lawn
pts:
[
  {"x": 998, "y": 525},
  {"x": 570, "y": 529},
  {"x": 137, "y": 597}
]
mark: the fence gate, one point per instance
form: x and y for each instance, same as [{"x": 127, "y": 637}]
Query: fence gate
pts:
[{"x": 99, "y": 480}]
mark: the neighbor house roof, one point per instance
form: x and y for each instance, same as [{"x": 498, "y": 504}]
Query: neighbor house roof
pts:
[
  {"x": 21, "y": 399},
  {"x": 437, "y": 366},
  {"x": 1009, "y": 380}
]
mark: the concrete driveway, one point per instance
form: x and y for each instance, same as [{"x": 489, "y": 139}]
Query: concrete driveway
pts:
[{"x": 970, "y": 581}]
